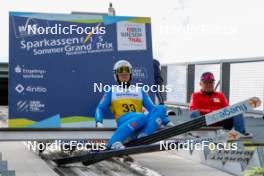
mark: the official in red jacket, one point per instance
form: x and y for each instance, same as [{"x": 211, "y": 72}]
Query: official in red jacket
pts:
[{"x": 208, "y": 100}]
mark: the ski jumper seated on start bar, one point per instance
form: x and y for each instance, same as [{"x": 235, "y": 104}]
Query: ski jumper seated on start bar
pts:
[{"x": 126, "y": 104}]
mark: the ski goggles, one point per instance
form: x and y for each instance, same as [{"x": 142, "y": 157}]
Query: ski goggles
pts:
[
  {"x": 208, "y": 77},
  {"x": 121, "y": 70}
]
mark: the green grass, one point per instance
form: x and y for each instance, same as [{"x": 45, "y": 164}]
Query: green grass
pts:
[{"x": 75, "y": 119}]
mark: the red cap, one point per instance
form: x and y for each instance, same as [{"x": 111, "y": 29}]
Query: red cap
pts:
[{"x": 207, "y": 76}]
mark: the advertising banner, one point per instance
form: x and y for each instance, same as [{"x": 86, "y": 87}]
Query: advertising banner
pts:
[{"x": 59, "y": 65}]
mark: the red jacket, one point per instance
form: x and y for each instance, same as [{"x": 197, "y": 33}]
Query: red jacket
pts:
[{"x": 208, "y": 103}]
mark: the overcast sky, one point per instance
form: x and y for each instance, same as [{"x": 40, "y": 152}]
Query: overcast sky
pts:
[{"x": 182, "y": 30}]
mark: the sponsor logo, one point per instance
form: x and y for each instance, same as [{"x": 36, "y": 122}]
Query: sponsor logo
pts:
[
  {"x": 216, "y": 100},
  {"x": 36, "y": 89},
  {"x": 253, "y": 102},
  {"x": 131, "y": 36},
  {"x": 139, "y": 73},
  {"x": 22, "y": 106},
  {"x": 242, "y": 156},
  {"x": 18, "y": 69},
  {"x": 36, "y": 106},
  {"x": 30, "y": 73},
  {"x": 21, "y": 26},
  {"x": 230, "y": 111},
  {"x": 32, "y": 89},
  {"x": 19, "y": 88},
  {"x": 30, "y": 106},
  {"x": 233, "y": 135},
  {"x": 69, "y": 46},
  {"x": 134, "y": 124}
]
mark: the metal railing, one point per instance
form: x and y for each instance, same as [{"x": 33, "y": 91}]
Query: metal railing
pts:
[{"x": 226, "y": 69}]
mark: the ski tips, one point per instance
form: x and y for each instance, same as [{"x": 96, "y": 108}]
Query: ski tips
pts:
[{"x": 254, "y": 102}]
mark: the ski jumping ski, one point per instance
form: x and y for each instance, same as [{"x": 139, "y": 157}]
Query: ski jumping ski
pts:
[{"x": 145, "y": 144}]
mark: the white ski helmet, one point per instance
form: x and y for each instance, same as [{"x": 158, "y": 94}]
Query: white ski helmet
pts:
[{"x": 122, "y": 66}]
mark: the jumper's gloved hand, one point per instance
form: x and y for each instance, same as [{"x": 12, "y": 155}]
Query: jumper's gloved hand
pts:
[
  {"x": 99, "y": 125},
  {"x": 169, "y": 124}
]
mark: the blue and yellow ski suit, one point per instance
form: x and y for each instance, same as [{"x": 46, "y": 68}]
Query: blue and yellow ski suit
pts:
[{"x": 126, "y": 104}]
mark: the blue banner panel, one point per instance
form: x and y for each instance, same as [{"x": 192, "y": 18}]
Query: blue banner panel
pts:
[{"x": 57, "y": 63}]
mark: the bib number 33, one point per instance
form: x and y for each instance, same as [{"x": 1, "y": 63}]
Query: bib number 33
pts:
[{"x": 129, "y": 108}]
